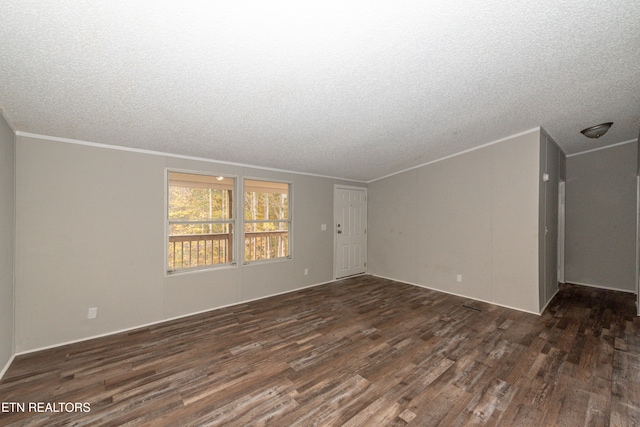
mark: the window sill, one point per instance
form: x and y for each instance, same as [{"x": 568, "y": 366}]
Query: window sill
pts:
[{"x": 170, "y": 273}]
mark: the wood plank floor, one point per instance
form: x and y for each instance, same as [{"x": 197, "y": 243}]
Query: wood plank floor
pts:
[{"x": 360, "y": 352}]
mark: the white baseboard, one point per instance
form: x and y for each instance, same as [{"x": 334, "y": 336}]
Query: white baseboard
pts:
[
  {"x": 6, "y": 367},
  {"x": 458, "y": 295},
  {"x": 608, "y": 288},
  {"x": 133, "y": 328}
]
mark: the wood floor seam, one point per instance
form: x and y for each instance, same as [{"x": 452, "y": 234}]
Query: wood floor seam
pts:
[{"x": 364, "y": 351}]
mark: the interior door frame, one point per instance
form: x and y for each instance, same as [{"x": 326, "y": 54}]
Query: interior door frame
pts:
[
  {"x": 638, "y": 243},
  {"x": 335, "y": 235},
  {"x": 561, "y": 228}
]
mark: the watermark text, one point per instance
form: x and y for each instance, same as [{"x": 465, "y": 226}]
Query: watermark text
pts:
[{"x": 6, "y": 407}]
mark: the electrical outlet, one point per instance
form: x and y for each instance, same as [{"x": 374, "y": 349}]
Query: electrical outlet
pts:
[
  {"x": 93, "y": 313},
  {"x": 323, "y": 227},
  {"x": 306, "y": 271},
  {"x": 459, "y": 278}
]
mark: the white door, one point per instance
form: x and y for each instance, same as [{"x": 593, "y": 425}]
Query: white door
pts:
[{"x": 350, "y": 230}]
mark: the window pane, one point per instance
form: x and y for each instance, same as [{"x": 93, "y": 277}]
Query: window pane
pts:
[
  {"x": 266, "y": 240},
  {"x": 265, "y": 200},
  {"x": 199, "y": 197},
  {"x": 195, "y": 250},
  {"x": 196, "y": 197}
]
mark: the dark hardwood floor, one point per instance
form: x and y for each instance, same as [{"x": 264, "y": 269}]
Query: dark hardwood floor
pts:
[{"x": 360, "y": 352}]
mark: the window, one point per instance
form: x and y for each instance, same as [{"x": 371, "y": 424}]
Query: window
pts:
[
  {"x": 267, "y": 220},
  {"x": 200, "y": 221}
]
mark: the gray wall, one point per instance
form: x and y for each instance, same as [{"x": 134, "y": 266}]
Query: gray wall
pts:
[
  {"x": 600, "y": 218},
  {"x": 7, "y": 221},
  {"x": 90, "y": 233},
  {"x": 475, "y": 214}
]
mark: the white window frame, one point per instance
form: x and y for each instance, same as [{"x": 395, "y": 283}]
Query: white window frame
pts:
[
  {"x": 232, "y": 221},
  {"x": 243, "y": 222}
]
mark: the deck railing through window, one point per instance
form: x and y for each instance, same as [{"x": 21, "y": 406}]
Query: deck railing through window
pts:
[
  {"x": 265, "y": 245},
  {"x": 196, "y": 250}
]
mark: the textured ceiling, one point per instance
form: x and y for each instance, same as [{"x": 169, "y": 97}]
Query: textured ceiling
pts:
[{"x": 357, "y": 90}]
